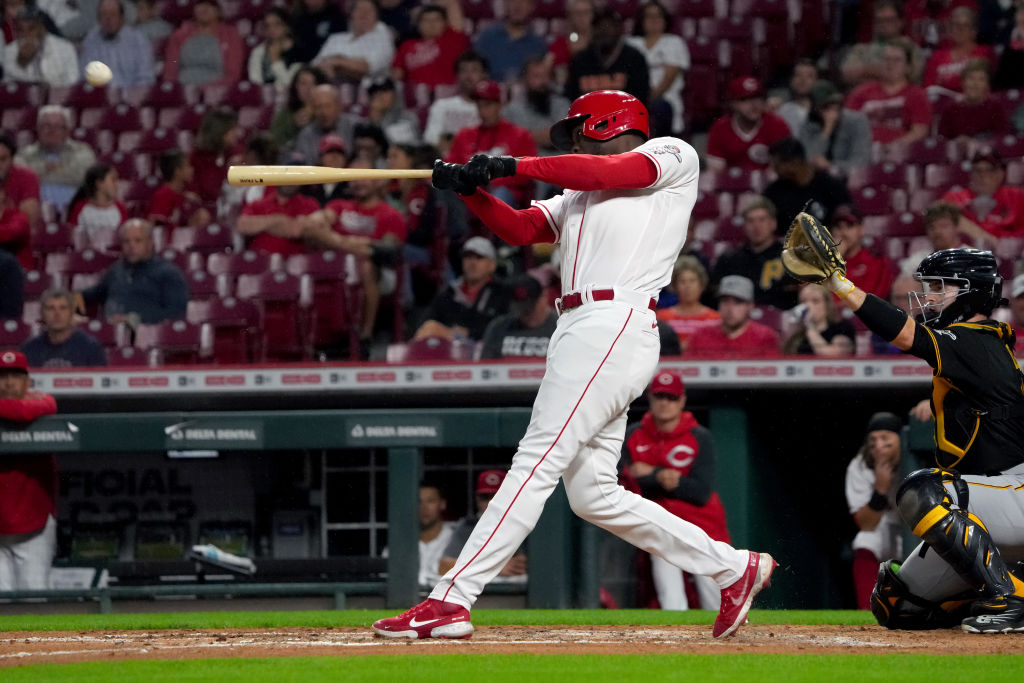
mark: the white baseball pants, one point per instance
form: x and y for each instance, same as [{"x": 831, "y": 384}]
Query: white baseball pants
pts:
[
  {"x": 25, "y": 559},
  {"x": 602, "y": 356},
  {"x": 670, "y": 585}
]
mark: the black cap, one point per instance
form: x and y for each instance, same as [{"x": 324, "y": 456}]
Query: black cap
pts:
[
  {"x": 524, "y": 288},
  {"x": 379, "y": 84},
  {"x": 884, "y": 422}
]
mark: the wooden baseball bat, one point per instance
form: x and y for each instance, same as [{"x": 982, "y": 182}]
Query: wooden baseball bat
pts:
[{"x": 241, "y": 176}]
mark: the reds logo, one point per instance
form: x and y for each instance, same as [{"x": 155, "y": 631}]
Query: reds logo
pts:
[
  {"x": 673, "y": 456},
  {"x": 8, "y": 357},
  {"x": 669, "y": 149}
]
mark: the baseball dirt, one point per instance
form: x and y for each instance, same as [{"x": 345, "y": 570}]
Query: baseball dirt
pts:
[{"x": 22, "y": 648}]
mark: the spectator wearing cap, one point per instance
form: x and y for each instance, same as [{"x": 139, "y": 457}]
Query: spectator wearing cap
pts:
[
  {"x": 37, "y": 56},
  {"x": 946, "y": 64},
  {"x": 735, "y": 335},
  {"x": 875, "y": 271},
  {"x": 276, "y": 222},
  {"x": 497, "y": 137},
  {"x": 487, "y": 484},
  {"x": 997, "y": 208},
  {"x": 448, "y": 115},
  {"x": 506, "y": 45},
  {"x": 669, "y": 458},
  {"x": 536, "y": 106},
  {"x": 19, "y": 185},
  {"x": 172, "y": 204},
  {"x": 140, "y": 287},
  {"x": 62, "y": 344},
  {"x": 370, "y": 144},
  {"x": 364, "y": 50},
  {"x": 386, "y": 111},
  {"x": 898, "y": 110},
  {"x": 127, "y": 52},
  {"x": 977, "y": 115},
  {"x": 799, "y": 186},
  {"x": 608, "y": 63},
  {"x": 836, "y": 139},
  {"x": 1017, "y": 306},
  {"x": 28, "y": 486},
  {"x": 819, "y": 330},
  {"x": 872, "y": 478},
  {"x": 331, "y": 152},
  {"x": 759, "y": 258},
  {"x": 470, "y": 302},
  {"x": 57, "y": 160},
  {"x": 12, "y": 287},
  {"x": 741, "y": 138},
  {"x": 523, "y": 332},
  {"x": 272, "y": 62},
  {"x": 206, "y": 50},
  {"x": 329, "y": 116},
  {"x": 423, "y": 63}
]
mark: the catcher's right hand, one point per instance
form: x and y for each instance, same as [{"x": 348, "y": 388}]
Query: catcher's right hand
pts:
[
  {"x": 809, "y": 253},
  {"x": 452, "y": 177}
]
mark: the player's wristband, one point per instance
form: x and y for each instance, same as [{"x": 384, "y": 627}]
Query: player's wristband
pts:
[
  {"x": 881, "y": 317},
  {"x": 878, "y": 502},
  {"x": 839, "y": 285}
]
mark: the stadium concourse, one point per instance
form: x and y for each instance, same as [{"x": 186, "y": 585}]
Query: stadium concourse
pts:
[{"x": 268, "y": 300}]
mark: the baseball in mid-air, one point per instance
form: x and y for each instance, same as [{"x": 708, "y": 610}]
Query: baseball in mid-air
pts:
[{"x": 98, "y": 73}]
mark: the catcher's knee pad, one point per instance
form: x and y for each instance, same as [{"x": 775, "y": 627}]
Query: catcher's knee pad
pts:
[
  {"x": 895, "y": 607},
  {"x": 959, "y": 537}
]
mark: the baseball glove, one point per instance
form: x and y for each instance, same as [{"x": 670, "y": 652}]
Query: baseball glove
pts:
[{"x": 809, "y": 253}]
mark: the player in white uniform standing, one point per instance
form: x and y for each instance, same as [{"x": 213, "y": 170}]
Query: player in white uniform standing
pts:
[{"x": 621, "y": 225}]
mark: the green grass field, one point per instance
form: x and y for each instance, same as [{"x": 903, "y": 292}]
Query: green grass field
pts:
[{"x": 480, "y": 668}]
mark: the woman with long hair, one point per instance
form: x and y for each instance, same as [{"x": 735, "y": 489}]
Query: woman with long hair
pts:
[
  {"x": 271, "y": 61},
  {"x": 217, "y": 146},
  {"x": 689, "y": 280},
  {"x": 667, "y": 60},
  {"x": 95, "y": 208},
  {"x": 298, "y": 111},
  {"x": 821, "y": 332}
]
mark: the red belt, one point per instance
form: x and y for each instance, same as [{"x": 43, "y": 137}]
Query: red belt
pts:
[{"x": 574, "y": 299}]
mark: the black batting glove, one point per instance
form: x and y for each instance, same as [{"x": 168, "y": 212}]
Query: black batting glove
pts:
[
  {"x": 452, "y": 177},
  {"x": 483, "y": 168}
]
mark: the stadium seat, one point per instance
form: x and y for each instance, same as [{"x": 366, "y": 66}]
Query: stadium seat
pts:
[
  {"x": 203, "y": 285},
  {"x": 16, "y": 94},
  {"x": 428, "y": 349},
  {"x": 165, "y": 94},
  {"x": 106, "y": 240},
  {"x": 476, "y": 10},
  {"x": 707, "y": 206},
  {"x": 1009, "y": 147},
  {"x": 176, "y": 12},
  {"x": 242, "y": 263},
  {"x": 129, "y": 165},
  {"x": 332, "y": 297},
  {"x": 234, "y": 324},
  {"x": 920, "y": 198},
  {"x": 87, "y": 261},
  {"x": 12, "y": 333},
  {"x": 36, "y": 282},
  {"x": 185, "y": 260},
  {"x": 767, "y": 315},
  {"x": 140, "y": 190},
  {"x": 701, "y": 101},
  {"x": 285, "y": 304},
  {"x": 128, "y": 357},
  {"x": 884, "y": 174},
  {"x": 943, "y": 177},
  {"x": 175, "y": 342},
  {"x": 101, "y": 141},
  {"x": 123, "y": 117},
  {"x": 730, "y": 230},
  {"x": 19, "y": 120},
  {"x": 51, "y": 238},
  {"x": 82, "y": 95},
  {"x": 933, "y": 150},
  {"x": 550, "y": 9},
  {"x": 182, "y": 118},
  {"x": 905, "y": 224},
  {"x": 31, "y": 312},
  {"x": 209, "y": 239},
  {"x": 875, "y": 201}
]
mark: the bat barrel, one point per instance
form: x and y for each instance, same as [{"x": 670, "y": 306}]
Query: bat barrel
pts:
[{"x": 243, "y": 176}]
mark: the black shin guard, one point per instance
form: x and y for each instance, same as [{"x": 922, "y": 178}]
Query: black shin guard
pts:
[{"x": 958, "y": 537}]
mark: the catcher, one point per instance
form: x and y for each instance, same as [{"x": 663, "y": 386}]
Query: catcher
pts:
[{"x": 972, "y": 504}]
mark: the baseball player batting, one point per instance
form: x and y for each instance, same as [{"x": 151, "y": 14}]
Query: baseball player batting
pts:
[
  {"x": 620, "y": 224},
  {"x": 971, "y": 506}
]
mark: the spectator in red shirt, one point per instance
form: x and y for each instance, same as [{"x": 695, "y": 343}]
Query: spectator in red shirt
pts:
[
  {"x": 946, "y": 63},
  {"x": 15, "y": 234},
  {"x": 927, "y": 20},
  {"x": 876, "y": 272},
  {"x": 19, "y": 185},
  {"x": 498, "y": 137},
  {"x": 898, "y": 110},
  {"x": 206, "y": 50},
  {"x": 426, "y": 62},
  {"x": 736, "y": 335},
  {"x": 368, "y": 227},
  {"x": 96, "y": 212},
  {"x": 171, "y": 204},
  {"x": 276, "y": 222},
  {"x": 996, "y": 208},
  {"x": 671, "y": 460},
  {"x": 28, "y": 487},
  {"x": 978, "y": 115},
  {"x": 741, "y": 139}
]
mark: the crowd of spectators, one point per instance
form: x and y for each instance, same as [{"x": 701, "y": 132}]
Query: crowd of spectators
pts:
[{"x": 900, "y": 132}]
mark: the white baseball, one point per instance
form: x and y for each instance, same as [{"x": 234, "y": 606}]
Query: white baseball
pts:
[{"x": 98, "y": 73}]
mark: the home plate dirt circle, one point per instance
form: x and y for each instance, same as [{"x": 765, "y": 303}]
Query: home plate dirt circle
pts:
[{"x": 37, "y": 647}]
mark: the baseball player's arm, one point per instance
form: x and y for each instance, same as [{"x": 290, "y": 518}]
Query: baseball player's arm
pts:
[
  {"x": 35, "y": 404},
  {"x": 631, "y": 170},
  {"x": 516, "y": 226}
]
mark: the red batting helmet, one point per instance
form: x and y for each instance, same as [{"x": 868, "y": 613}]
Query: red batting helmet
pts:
[{"x": 605, "y": 114}]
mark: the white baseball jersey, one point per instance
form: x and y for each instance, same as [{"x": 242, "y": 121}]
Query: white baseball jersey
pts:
[{"x": 628, "y": 238}]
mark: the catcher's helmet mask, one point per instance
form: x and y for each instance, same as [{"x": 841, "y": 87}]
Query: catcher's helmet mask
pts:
[
  {"x": 603, "y": 115},
  {"x": 956, "y": 285}
]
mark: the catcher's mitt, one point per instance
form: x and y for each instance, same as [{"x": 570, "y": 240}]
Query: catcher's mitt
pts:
[{"x": 809, "y": 253}]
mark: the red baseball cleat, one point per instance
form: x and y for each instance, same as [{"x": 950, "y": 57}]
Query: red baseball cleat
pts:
[
  {"x": 429, "y": 619},
  {"x": 737, "y": 598}
]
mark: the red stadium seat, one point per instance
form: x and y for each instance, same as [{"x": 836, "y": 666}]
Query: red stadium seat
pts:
[
  {"x": 87, "y": 262},
  {"x": 242, "y": 263},
  {"x": 478, "y": 9},
  {"x": 767, "y": 315},
  {"x": 209, "y": 239},
  {"x": 51, "y": 238},
  {"x": 707, "y": 206},
  {"x": 735, "y": 180},
  {"x": 428, "y": 349},
  {"x": 164, "y": 94},
  {"x": 202, "y": 285},
  {"x": 550, "y": 9},
  {"x": 176, "y": 12},
  {"x": 19, "y": 119},
  {"x": 15, "y": 94},
  {"x": 175, "y": 342},
  {"x": 874, "y": 201},
  {"x": 12, "y": 333},
  {"x": 140, "y": 190},
  {"x": 884, "y": 174},
  {"x": 241, "y": 94},
  {"x": 122, "y": 117},
  {"x": 82, "y": 95},
  {"x": 100, "y": 140},
  {"x": 185, "y": 260},
  {"x": 943, "y": 177},
  {"x": 110, "y": 335},
  {"x": 128, "y": 357},
  {"x": 332, "y": 298},
  {"x": 1010, "y": 147},
  {"x": 235, "y": 328},
  {"x": 926, "y": 151},
  {"x": 285, "y": 303},
  {"x": 903, "y": 225},
  {"x": 730, "y": 230},
  {"x": 182, "y": 118},
  {"x": 36, "y": 282}
]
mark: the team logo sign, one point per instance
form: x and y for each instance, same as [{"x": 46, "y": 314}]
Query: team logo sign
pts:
[
  {"x": 492, "y": 479},
  {"x": 669, "y": 149},
  {"x": 8, "y": 357}
]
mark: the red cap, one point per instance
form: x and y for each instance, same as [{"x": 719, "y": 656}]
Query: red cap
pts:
[
  {"x": 489, "y": 481},
  {"x": 667, "y": 382},
  {"x": 331, "y": 143},
  {"x": 487, "y": 90},
  {"x": 743, "y": 87},
  {"x": 13, "y": 360}
]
